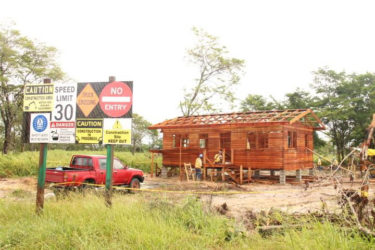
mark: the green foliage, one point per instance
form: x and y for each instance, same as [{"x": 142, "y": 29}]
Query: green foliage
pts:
[
  {"x": 255, "y": 103},
  {"x": 143, "y": 222},
  {"x": 140, "y": 132},
  {"x": 299, "y": 99},
  {"x": 22, "y": 61},
  {"x": 26, "y": 163},
  {"x": 218, "y": 74},
  {"x": 85, "y": 223},
  {"x": 345, "y": 103}
]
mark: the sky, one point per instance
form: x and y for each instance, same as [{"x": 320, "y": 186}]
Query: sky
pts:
[{"x": 282, "y": 42}]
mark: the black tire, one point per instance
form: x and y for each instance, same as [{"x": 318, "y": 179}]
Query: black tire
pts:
[
  {"x": 86, "y": 185},
  {"x": 134, "y": 184}
]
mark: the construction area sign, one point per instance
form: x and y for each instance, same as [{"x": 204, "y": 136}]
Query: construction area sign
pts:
[
  {"x": 95, "y": 112},
  {"x": 39, "y": 127},
  {"x": 89, "y": 131},
  {"x": 62, "y": 126},
  {"x": 38, "y": 98},
  {"x": 105, "y": 100},
  {"x": 117, "y": 131}
]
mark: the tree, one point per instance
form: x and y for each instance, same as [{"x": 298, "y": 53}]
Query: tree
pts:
[
  {"x": 299, "y": 99},
  {"x": 256, "y": 102},
  {"x": 346, "y": 104},
  {"x": 22, "y": 61},
  {"x": 218, "y": 73},
  {"x": 139, "y": 131}
]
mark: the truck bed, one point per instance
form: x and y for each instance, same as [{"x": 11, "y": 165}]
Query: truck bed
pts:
[{"x": 56, "y": 175}]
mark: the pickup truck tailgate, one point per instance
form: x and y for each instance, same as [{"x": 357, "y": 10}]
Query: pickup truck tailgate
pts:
[{"x": 53, "y": 175}]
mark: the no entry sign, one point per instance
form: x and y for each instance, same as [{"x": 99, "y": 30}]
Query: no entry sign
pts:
[
  {"x": 104, "y": 100},
  {"x": 116, "y": 99}
]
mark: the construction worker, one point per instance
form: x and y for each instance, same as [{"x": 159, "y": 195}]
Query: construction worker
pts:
[
  {"x": 320, "y": 164},
  {"x": 198, "y": 167},
  {"x": 218, "y": 158},
  {"x": 364, "y": 191}
]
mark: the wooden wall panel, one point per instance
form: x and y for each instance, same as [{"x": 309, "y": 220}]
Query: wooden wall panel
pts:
[{"x": 276, "y": 156}]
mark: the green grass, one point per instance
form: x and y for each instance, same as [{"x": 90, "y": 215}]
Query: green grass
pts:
[
  {"x": 26, "y": 163},
  {"x": 150, "y": 222},
  {"x": 132, "y": 223}
]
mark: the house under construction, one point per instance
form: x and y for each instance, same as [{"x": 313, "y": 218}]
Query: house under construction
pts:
[{"x": 250, "y": 141}]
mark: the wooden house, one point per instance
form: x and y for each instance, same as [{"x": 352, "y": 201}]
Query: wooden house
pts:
[{"x": 250, "y": 141}]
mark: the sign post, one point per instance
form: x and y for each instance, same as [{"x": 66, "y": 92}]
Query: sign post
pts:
[
  {"x": 108, "y": 177},
  {"x": 109, "y": 167},
  {"x": 42, "y": 171},
  {"x": 94, "y": 113}
]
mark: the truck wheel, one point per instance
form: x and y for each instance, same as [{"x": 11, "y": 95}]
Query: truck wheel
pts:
[
  {"x": 85, "y": 185},
  {"x": 134, "y": 184}
]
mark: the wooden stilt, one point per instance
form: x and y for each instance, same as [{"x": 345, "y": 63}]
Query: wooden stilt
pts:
[
  {"x": 152, "y": 165},
  {"x": 232, "y": 155},
  {"x": 248, "y": 174},
  {"x": 241, "y": 175},
  {"x": 223, "y": 174},
  {"x": 181, "y": 173},
  {"x": 223, "y": 161},
  {"x": 204, "y": 172}
]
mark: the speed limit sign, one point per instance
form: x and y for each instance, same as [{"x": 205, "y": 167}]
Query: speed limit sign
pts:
[{"x": 63, "y": 114}]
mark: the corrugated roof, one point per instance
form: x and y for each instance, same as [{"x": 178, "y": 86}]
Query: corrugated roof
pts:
[{"x": 305, "y": 116}]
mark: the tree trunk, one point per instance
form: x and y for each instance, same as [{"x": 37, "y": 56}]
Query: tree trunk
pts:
[
  {"x": 7, "y": 138},
  {"x": 133, "y": 149}
]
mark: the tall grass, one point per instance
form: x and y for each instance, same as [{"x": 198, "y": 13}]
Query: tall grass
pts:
[
  {"x": 141, "y": 222},
  {"x": 132, "y": 223},
  {"x": 26, "y": 163}
]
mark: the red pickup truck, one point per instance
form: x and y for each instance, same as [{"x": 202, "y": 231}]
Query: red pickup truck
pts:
[{"x": 91, "y": 169}]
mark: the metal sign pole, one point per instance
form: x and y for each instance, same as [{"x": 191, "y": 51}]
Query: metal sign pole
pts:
[
  {"x": 41, "y": 178},
  {"x": 41, "y": 173},
  {"x": 109, "y": 167},
  {"x": 108, "y": 178}
]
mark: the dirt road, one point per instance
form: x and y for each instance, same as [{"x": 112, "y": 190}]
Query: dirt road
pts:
[{"x": 256, "y": 197}]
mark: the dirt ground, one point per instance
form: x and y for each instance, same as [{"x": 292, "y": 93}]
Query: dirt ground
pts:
[{"x": 290, "y": 198}]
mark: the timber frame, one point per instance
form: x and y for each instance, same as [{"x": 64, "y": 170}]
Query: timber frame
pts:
[{"x": 263, "y": 140}]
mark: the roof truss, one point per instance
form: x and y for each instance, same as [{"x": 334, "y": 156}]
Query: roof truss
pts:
[{"x": 290, "y": 116}]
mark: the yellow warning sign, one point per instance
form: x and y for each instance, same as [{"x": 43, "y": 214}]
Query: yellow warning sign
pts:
[
  {"x": 89, "y": 131},
  {"x": 87, "y": 100},
  {"x": 117, "y": 125},
  {"x": 117, "y": 131},
  {"x": 38, "y": 97}
]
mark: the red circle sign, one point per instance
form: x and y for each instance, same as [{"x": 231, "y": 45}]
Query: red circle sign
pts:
[{"x": 116, "y": 99}]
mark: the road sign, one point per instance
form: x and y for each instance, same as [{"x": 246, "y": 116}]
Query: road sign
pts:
[
  {"x": 87, "y": 100},
  {"x": 64, "y": 114},
  {"x": 116, "y": 99},
  {"x": 117, "y": 131},
  {"x": 89, "y": 131},
  {"x": 38, "y": 98},
  {"x": 39, "y": 128}
]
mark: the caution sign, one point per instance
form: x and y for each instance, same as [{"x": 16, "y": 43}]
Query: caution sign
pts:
[
  {"x": 64, "y": 114},
  {"x": 38, "y": 98},
  {"x": 105, "y": 100},
  {"x": 89, "y": 131},
  {"x": 117, "y": 131},
  {"x": 39, "y": 128},
  {"x": 87, "y": 100}
]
